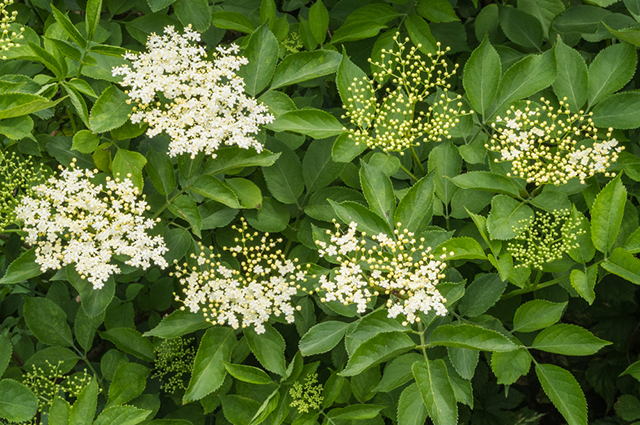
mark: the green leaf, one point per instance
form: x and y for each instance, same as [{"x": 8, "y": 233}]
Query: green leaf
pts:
[
  {"x": 121, "y": 415},
  {"x": 572, "y": 81},
  {"x": 544, "y": 10},
  {"x": 319, "y": 21},
  {"x": 239, "y": 410},
  {"x": 185, "y": 208},
  {"x": 482, "y": 294},
  {"x": 484, "y": 180},
  {"x": 248, "y": 193},
  {"x": 606, "y": 215},
  {"x": 526, "y": 77},
  {"x": 59, "y": 411},
  {"x": 84, "y": 408},
  {"x": 507, "y": 213},
  {"x": 129, "y": 164},
  {"x": 194, "y": 12},
  {"x": 520, "y": 27},
  {"x": 310, "y": 122},
  {"x": 110, "y": 110},
  {"x": 235, "y": 21},
  {"x": 462, "y": 248},
  {"x": 271, "y": 217},
  {"x": 623, "y": 264},
  {"x": 17, "y": 402},
  {"x": 322, "y": 337},
  {"x": 564, "y": 392},
  {"x": 17, "y": 128},
  {"x": 349, "y": 74},
  {"x": 249, "y": 374},
  {"x": 617, "y": 111},
  {"x": 585, "y": 250},
  {"x": 464, "y": 361},
  {"x": 398, "y": 372},
  {"x": 367, "y": 220},
  {"x": 128, "y": 382},
  {"x": 68, "y": 27},
  {"x": 18, "y": 104},
  {"x": 537, "y": 314},
  {"x": 510, "y": 366},
  {"x": 633, "y": 370},
  {"x": 628, "y": 407},
  {"x": 376, "y": 350},
  {"x": 354, "y": 412},
  {"x": 94, "y": 301},
  {"x": 47, "y": 321},
  {"x": 610, "y": 71},
  {"x": 378, "y": 191},
  {"x": 318, "y": 168},
  {"x": 472, "y": 337},
  {"x": 6, "y": 348},
  {"x": 364, "y": 22},
  {"x": 22, "y": 268},
  {"x": 268, "y": 347},
  {"x": 262, "y": 54},
  {"x": 85, "y": 141},
  {"x": 130, "y": 341},
  {"x": 178, "y": 323},
  {"x": 209, "y": 372},
  {"x": 447, "y": 163},
  {"x": 411, "y": 408},
  {"x": 212, "y": 188},
  {"x": 284, "y": 178},
  {"x": 49, "y": 60},
  {"x": 161, "y": 172},
  {"x": 482, "y": 76},
  {"x": 584, "y": 283},
  {"x": 234, "y": 158},
  {"x": 415, "y": 209},
  {"x": 345, "y": 149},
  {"x": 92, "y": 17},
  {"x": 304, "y": 66},
  {"x": 85, "y": 328},
  {"x": 437, "y": 11},
  {"x": 437, "y": 393},
  {"x": 570, "y": 340},
  {"x": 420, "y": 34}
]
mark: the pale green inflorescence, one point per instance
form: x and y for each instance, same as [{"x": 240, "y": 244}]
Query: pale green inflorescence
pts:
[
  {"x": 394, "y": 123},
  {"x": 17, "y": 177},
  {"x": 547, "y": 145},
  {"x": 307, "y": 396},
  {"x": 545, "y": 238},
  {"x": 174, "y": 360},
  {"x": 8, "y": 36}
]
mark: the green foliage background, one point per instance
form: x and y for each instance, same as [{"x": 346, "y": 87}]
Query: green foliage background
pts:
[{"x": 519, "y": 346}]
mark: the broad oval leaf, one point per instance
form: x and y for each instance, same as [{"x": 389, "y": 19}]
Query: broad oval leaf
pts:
[
  {"x": 570, "y": 340},
  {"x": 310, "y": 122},
  {"x": 322, "y": 337},
  {"x": 17, "y": 402},
  {"x": 470, "y": 336},
  {"x": 376, "y": 350},
  {"x": 47, "y": 321},
  {"x": 606, "y": 215},
  {"x": 482, "y": 76},
  {"x": 564, "y": 392},
  {"x": 437, "y": 393},
  {"x": 303, "y": 66},
  {"x": 537, "y": 314}
]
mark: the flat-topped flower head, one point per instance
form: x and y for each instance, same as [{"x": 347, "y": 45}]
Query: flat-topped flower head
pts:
[
  {"x": 70, "y": 220},
  {"x": 401, "y": 267},
  {"x": 391, "y": 121},
  {"x": 203, "y": 102},
  {"x": 549, "y": 146},
  {"x": 8, "y": 36},
  {"x": 262, "y": 287},
  {"x": 545, "y": 238}
]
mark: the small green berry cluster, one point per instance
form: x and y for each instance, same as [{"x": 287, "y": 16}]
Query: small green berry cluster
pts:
[
  {"x": 8, "y": 36},
  {"x": 17, "y": 177},
  {"x": 394, "y": 124},
  {"x": 545, "y": 238},
  {"x": 174, "y": 360},
  {"x": 49, "y": 381},
  {"x": 307, "y": 396}
]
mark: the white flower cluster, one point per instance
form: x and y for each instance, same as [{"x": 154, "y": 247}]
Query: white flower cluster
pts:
[
  {"x": 207, "y": 105},
  {"x": 7, "y": 37},
  {"x": 395, "y": 123},
  {"x": 71, "y": 220},
  {"x": 263, "y": 286},
  {"x": 550, "y": 146},
  {"x": 401, "y": 267}
]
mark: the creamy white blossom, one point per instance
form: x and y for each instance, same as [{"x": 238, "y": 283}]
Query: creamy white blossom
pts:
[
  {"x": 262, "y": 287},
  {"x": 401, "y": 267},
  {"x": 205, "y": 106},
  {"x": 71, "y": 220}
]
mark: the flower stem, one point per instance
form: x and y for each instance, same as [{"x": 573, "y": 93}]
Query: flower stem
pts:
[{"x": 416, "y": 159}]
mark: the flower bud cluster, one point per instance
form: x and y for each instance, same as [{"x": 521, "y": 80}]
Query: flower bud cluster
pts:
[
  {"x": 7, "y": 36},
  {"x": 174, "y": 360},
  {"x": 16, "y": 179},
  {"x": 263, "y": 286},
  {"x": 545, "y": 238},
  {"x": 49, "y": 381},
  {"x": 546, "y": 145},
  {"x": 393, "y": 124},
  {"x": 400, "y": 267},
  {"x": 71, "y": 220},
  {"x": 308, "y": 396},
  {"x": 205, "y": 106}
]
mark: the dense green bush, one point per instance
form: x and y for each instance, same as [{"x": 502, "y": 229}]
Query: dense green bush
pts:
[{"x": 298, "y": 211}]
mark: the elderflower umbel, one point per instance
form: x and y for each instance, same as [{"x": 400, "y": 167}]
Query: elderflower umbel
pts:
[
  {"x": 393, "y": 124},
  {"x": 174, "y": 359},
  {"x": 72, "y": 220},
  {"x": 206, "y": 103},
  {"x": 49, "y": 381},
  {"x": 308, "y": 396},
  {"x": 545, "y": 238},
  {"x": 263, "y": 286},
  {"x": 8, "y": 37},
  {"x": 401, "y": 267},
  {"x": 16, "y": 179},
  {"x": 552, "y": 146}
]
